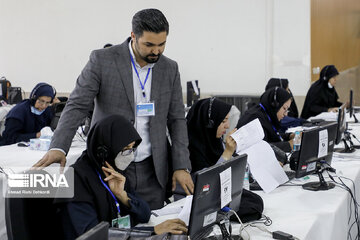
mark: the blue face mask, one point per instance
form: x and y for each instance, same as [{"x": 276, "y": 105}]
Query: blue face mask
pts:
[{"x": 36, "y": 111}]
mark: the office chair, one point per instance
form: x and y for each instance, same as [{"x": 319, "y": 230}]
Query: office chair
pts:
[{"x": 32, "y": 218}]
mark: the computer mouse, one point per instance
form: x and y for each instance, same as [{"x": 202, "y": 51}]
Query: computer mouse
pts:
[{"x": 22, "y": 144}]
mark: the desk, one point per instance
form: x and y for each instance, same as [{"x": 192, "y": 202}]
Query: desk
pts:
[
  {"x": 305, "y": 214},
  {"x": 13, "y": 156}
]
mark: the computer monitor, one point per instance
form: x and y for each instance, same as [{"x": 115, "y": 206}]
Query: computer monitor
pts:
[
  {"x": 192, "y": 92},
  {"x": 341, "y": 124},
  {"x": 341, "y": 134},
  {"x": 316, "y": 150},
  {"x": 206, "y": 203},
  {"x": 351, "y": 106},
  {"x": 99, "y": 232}
]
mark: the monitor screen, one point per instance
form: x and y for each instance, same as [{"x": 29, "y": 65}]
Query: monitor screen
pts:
[
  {"x": 316, "y": 151},
  {"x": 99, "y": 232},
  {"x": 312, "y": 149},
  {"x": 192, "y": 92},
  {"x": 2, "y": 89},
  {"x": 209, "y": 187},
  {"x": 341, "y": 124},
  {"x": 351, "y": 107}
]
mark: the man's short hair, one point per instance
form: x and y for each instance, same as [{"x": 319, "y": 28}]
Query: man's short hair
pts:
[{"x": 150, "y": 20}]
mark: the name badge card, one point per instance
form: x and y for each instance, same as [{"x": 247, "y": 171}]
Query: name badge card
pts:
[
  {"x": 145, "y": 109},
  {"x": 121, "y": 222}
]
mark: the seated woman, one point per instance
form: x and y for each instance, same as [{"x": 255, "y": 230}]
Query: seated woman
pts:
[
  {"x": 27, "y": 118},
  {"x": 292, "y": 119},
  {"x": 101, "y": 192},
  {"x": 322, "y": 96},
  {"x": 273, "y": 106},
  {"x": 207, "y": 121}
]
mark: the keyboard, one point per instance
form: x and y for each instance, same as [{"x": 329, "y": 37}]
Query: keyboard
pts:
[{"x": 219, "y": 237}]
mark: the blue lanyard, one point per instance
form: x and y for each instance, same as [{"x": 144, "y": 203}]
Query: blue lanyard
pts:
[
  {"x": 106, "y": 186},
  {"x": 277, "y": 133},
  {"x": 146, "y": 78}
]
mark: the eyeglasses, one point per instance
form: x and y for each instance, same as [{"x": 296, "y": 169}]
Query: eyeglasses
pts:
[
  {"x": 127, "y": 151},
  {"x": 286, "y": 110},
  {"x": 42, "y": 102}
]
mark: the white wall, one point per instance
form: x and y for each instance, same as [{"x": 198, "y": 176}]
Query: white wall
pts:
[{"x": 231, "y": 46}]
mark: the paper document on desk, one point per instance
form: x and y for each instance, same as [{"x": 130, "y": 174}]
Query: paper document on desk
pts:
[
  {"x": 184, "y": 215},
  {"x": 261, "y": 158},
  {"x": 248, "y": 135},
  {"x": 167, "y": 210},
  {"x": 264, "y": 166},
  {"x": 327, "y": 116}
]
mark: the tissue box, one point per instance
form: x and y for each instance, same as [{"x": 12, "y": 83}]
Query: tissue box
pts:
[{"x": 39, "y": 144}]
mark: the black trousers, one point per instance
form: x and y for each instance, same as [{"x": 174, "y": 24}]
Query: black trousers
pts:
[{"x": 142, "y": 178}]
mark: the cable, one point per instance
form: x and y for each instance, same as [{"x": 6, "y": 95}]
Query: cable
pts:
[
  {"x": 353, "y": 201},
  {"x": 241, "y": 225}
]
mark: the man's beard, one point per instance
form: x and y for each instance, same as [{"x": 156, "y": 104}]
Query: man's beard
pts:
[{"x": 150, "y": 58}]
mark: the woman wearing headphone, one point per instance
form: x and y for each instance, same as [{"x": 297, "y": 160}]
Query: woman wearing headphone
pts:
[
  {"x": 322, "y": 96},
  {"x": 274, "y": 106},
  {"x": 207, "y": 122},
  {"x": 292, "y": 119},
  {"x": 27, "y": 118},
  {"x": 102, "y": 192}
]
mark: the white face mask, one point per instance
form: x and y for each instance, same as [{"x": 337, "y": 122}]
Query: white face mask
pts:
[
  {"x": 122, "y": 162},
  {"x": 329, "y": 85}
]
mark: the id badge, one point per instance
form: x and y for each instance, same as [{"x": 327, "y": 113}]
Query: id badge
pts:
[
  {"x": 121, "y": 222},
  {"x": 145, "y": 109}
]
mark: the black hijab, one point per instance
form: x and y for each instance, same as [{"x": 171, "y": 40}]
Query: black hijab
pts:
[
  {"x": 268, "y": 110},
  {"x": 205, "y": 149},
  {"x": 272, "y": 100},
  {"x": 109, "y": 137},
  {"x": 320, "y": 97},
  {"x": 284, "y": 83},
  {"x": 112, "y": 134}
]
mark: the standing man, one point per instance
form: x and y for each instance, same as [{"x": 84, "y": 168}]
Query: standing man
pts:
[{"x": 135, "y": 80}]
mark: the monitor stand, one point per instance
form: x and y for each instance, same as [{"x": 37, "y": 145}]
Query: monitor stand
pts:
[
  {"x": 321, "y": 185},
  {"x": 356, "y": 120},
  {"x": 347, "y": 149}
]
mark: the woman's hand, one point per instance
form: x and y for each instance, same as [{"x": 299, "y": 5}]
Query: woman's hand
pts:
[
  {"x": 291, "y": 142},
  {"x": 335, "y": 109},
  {"x": 230, "y": 146},
  {"x": 174, "y": 226},
  {"x": 116, "y": 182}
]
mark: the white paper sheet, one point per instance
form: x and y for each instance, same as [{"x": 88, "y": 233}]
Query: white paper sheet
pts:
[
  {"x": 323, "y": 143},
  {"x": 184, "y": 215},
  {"x": 264, "y": 166},
  {"x": 248, "y": 135},
  {"x": 225, "y": 186},
  {"x": 167, "y": 210},
  {"x": 327, "y": 116}
]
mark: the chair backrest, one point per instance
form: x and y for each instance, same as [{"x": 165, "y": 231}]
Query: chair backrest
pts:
[{"x": 32, "y": 218}]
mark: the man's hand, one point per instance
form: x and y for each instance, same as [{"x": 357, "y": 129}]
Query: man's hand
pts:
[
  {"x": 174, "y": 226},
  {"x": 184, "y": 178},
  {"x": 52, "y": 156}
]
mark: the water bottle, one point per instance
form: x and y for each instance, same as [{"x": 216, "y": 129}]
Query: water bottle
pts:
[
  {"x": 297, "y": 141},
  {"x": 246, "y": 178}
]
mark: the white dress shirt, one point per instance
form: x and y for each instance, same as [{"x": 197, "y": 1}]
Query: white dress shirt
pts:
[{"x": 142, "y": 123}]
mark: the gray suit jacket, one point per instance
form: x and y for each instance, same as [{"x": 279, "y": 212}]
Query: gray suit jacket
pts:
[{"x": 107, "y": 78}]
